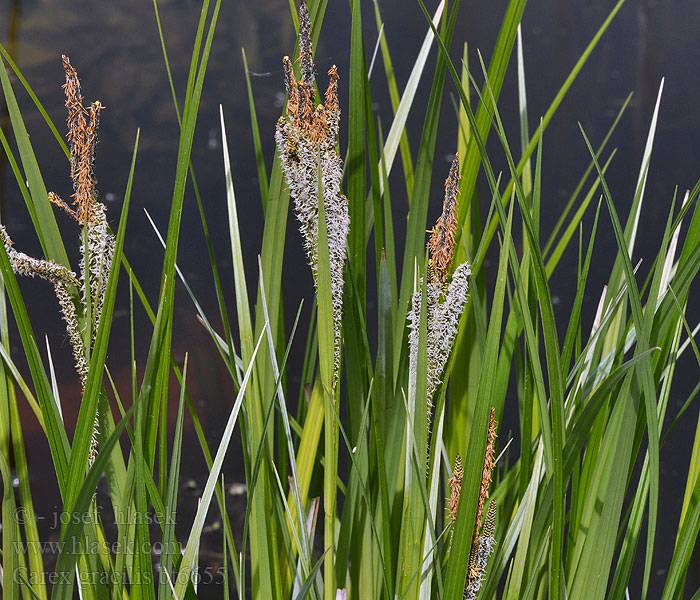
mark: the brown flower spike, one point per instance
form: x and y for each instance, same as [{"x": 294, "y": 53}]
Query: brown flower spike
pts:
[
  {"x": 82, "y": 137},
  {"x": 306, "y": 138},
  {"x": 442, "y": 240},
  {"x": 489, "y": 464},
  {"x": 482, "y": 545},
  {"x": 96, "y": 241},
  {"x": 446, "y": 292},
  {"x": 455, "y": 483}
]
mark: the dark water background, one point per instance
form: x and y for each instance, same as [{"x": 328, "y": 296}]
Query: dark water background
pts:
[{"x": 115, "y": 48}]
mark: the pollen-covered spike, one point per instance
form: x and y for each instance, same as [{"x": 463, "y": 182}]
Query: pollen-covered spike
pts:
[
  {"x": 290, "y": 82},
  {"x": 85, "y": 193},
  {"x": 332, "y": 89},
  {"x": 62, "y": 279},
  {"x": 446, "y": 295},
  {"x": 305, "y": 48},
  {"x": 487, "y": 469},
  {"x": 452, "y": 181},
  {"x": 319, "y": 125},
  {"x": 306, "y": 140}
]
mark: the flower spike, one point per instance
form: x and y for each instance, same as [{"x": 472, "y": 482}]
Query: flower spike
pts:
[
  {"x": 446, "y": 295},
  {"x": 97, "y": 242},
  {"x": 306, "y": 138},
  {"x": 482, "y": 544}
]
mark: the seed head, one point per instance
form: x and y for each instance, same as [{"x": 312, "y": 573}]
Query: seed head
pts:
[
  {"x": 305, "y": 49},
  {"x": 306, "y": 138},
  {"x": 482, "y": 545},
  {"x": 82, "y": 137},
  {"x": 96, "y": 246},
  {"x": 442, "y": 240},
  {"x": 455, "y": 483}
]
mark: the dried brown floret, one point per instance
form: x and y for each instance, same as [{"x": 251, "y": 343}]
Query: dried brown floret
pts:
[
  {"x": 455, "y": 483},
  {"x": 82, "y": 137},
  {"x": 489, "y": 464},
  {"x": 442, "y": 240},
  {"x": 56, "y": 200}
]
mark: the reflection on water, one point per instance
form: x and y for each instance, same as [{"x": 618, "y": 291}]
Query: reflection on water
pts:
[
  {"x": 10, "y": 42},
  {"x": 115, "y": 47}
]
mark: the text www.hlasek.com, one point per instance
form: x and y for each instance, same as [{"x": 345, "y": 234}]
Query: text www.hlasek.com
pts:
[{"x": 80, "y": 546}]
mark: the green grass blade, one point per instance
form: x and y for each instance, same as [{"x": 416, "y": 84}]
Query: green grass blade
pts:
[
  {"x": 461, "y": 543},
  {"x": 187, "y": 564},
  {"x": 244, "y": 323},
  {"x": 630, "y": 230},
  {"x": 10, "y": 534},
  {"x": 305, "y": 553},
  {"x": 168, "y": 540},
  {"x": 72, "y": 531},
  {"x": 575, "y": 320},
  {"x": 39, "y": 208},
  {"x": 398, "y": 125},
  {"x": 326, "y": 351},
  {"x": 356, "y": 162},
  {"x": 404, "y": 145},
  {"x": 417, "y": 216},
  {"x": 630, "y": 541},
  {"x": 644, "y": 171},
  {"x": 463, "y": 132},
  {"x": 257, "y": 144},
  {"x": 687, "y": 536},
  {"x": 35, "y": 562},
  {"x": 93, "y": 385},
  {"x": 522, "y": 105},
  {"x": 274, "y": 234},
  {"x": 35, "y": 99},
  {"x": 646, "y": 373}
]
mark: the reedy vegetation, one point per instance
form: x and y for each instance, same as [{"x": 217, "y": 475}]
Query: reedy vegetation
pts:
[
  {"x": 96, "y": 241},
  {"x": 306, "y": 140},
  {"x": 429, "y": 396}
]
